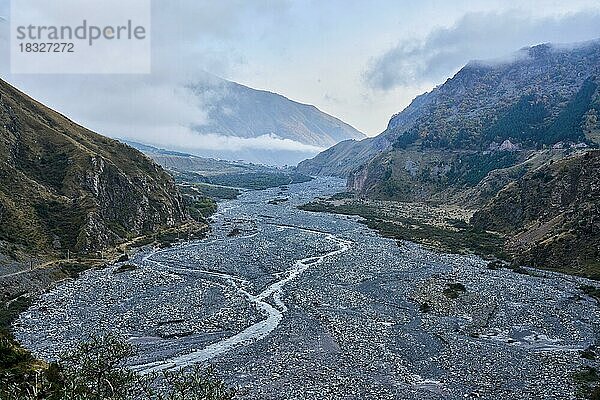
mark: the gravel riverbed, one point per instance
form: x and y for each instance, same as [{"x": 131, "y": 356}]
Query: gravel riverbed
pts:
[{"x": 289, "y": 304}]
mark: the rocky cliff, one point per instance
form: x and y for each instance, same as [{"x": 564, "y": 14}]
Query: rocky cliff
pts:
[
  {"x": 551, "y": 215},
  {"x": 63, "y": 187}
]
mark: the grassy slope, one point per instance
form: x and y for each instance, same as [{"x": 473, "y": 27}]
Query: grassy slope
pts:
[{"x": 65, "y": 187}]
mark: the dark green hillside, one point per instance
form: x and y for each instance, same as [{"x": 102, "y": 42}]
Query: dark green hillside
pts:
[
  {"x": 522, "y": 122},
  {"x": 568, "y": 126}
]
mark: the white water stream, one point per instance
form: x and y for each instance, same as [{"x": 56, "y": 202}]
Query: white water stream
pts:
[{"x": 274, "y": 312}]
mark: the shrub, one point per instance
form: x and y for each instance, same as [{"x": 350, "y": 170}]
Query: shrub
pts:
[
  {"x": 454, "y": 290},
  {"x": 97, "y": 370}
]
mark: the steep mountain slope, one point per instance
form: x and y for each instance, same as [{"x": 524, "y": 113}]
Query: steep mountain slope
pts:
[
  {"x": 237, "y": 110},
  {"x": 551, "y": 215},
  {"x": 540, "y": 98},
  {"x": 343, "y": 158},
  {"x": 510, "y": 139},
  {"x": 278, "y": 131},
  {"x": 545, "y": 95},
  {"x": 63, "y": 187}
]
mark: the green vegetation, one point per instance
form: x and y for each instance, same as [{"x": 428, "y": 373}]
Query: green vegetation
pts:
[
  {"x": 588, "y": 380},
  {"x": 568, "y": 126},
  {"x": 522, "y": 122},
  {"x": 343, "y": 196},
  {"x": 60, "y": 219},
  {"x": 424, "y": 308},
  {"x": 278, "y": 200},
  {"x": 16, "y": 363},
  {"x": 592, "y": 291},
  {"x": 248, "y": 180},
  {"x": 125, "y": 268},
  {"x": 217, "y": 192},
  {"x": 470, "y": 169},
  {"x": 200, "y": 208},
  {"x": 521, "y": 270},
  {"x": 461, "y": 239},
  {"x": 73, "y": 268},
  {"x": 587, "y": 374},
  {"x": 96, "y": 370},
  {"x": 406, "y": 139},
  {"x": 589, "y": 353},
  {"x": 234, "y": 232},
  {"x": 496, "y": 265},
  {"x": 10, "y": 310},
  {"x": 198, "y": 205}
]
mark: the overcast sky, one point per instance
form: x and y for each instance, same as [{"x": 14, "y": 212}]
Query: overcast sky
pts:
[{"x": 359, "y": 60}]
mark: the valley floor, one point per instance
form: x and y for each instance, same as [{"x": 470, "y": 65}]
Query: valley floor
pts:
[{"x": 290, "y": 304}]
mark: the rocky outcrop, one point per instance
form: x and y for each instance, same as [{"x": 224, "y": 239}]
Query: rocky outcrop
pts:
[
  {"x": 438, "y": 176},
  {"x": 63, "y": 187},
  {"x": 551, "y": 215}
]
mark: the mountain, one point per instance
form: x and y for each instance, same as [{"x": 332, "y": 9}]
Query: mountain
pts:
[
  {"x": 178, "y": 161},
  {"x": 511, "y": 140},
  {"x": 551, "y": 215},
  {"x": 63, "y": 187},
  {"x": 237, "y": 111},
  {"x": 189, "y": 169},
  {"x": 542, "y": 96}
]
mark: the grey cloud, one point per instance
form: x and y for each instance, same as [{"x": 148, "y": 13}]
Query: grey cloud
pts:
[
  {"x": 160, "y": 108},
  {"x": 184, "y": 138},
  {"x": 474, "y": 36}
]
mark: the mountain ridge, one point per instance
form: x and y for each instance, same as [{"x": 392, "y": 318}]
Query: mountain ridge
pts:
[
  {"x": 464, "y": 112},
  {"x": 66, "y": 188},
  {"x": 257, "y": 126},
  {"x": 258, "y": 113},
  {"x": 512, "y": 141}
]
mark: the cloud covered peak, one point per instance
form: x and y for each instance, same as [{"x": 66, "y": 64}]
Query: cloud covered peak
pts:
[{"x": 474, "y": 36}]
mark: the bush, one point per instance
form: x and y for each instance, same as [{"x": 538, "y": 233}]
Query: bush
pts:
[
  {"x": 592, "y": 291},
  {"x": 454, "y": 290},
  {"x": 424, "y": 308},
  {"x": 96, "y": 370}
]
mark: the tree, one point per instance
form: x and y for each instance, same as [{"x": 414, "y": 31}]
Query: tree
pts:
[{"x": 97, "y": 369}]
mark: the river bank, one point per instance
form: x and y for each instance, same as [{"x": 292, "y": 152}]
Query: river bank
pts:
[{"x": 380, "y": 319}]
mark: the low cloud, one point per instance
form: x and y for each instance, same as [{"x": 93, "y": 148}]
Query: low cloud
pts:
[
  {"x": 161, "y": 108},
  {"x": 474, "y": 36},
  {"x": 185, "y": 139},
  {"x": 164, "y": 108}
]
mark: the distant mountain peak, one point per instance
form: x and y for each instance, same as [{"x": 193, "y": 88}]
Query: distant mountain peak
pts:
[
  {"x": 234, "y": 111},
  {"x": 537, "y": 97}
]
